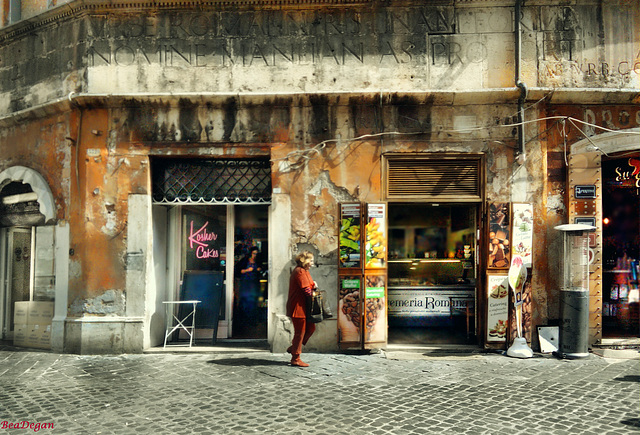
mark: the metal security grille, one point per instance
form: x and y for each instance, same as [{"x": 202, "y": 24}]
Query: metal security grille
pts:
[
  {"x": 220, "y": 181},
  {"x": 450, "y": 179}
]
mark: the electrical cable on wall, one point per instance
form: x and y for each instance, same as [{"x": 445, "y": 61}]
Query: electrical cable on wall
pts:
[{"x": 303, "y": 156}]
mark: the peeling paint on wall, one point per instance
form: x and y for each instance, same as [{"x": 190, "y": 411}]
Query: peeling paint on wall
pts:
[
  {"x": 555, "y": 204},
  {"x": 110, "y": 302},
  {"x": 340, "y": 194}
]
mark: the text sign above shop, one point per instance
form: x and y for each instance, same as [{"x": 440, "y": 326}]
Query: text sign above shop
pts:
[{"x": 585, "y": 191}]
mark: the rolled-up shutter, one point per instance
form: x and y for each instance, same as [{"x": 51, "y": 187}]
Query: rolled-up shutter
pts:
[{"x": 455, "y": 178}]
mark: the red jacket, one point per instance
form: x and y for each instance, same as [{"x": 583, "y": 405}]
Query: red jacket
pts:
[{"x": 300, "y": 288}]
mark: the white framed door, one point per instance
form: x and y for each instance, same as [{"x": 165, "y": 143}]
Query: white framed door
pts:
[{"x": 17, "y": 261}]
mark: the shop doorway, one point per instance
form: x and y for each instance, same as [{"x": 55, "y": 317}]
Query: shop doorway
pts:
[
  {"x": 216, "y": 243},
  {"x": 250, "y": 297},
  {"x": 16, "y": 250},
  {"x": 209, "y": 214},
  {"x": 621, "y": 241},
  {"x": 432, "y": 273},
  {"x": 24, "y": 275}
]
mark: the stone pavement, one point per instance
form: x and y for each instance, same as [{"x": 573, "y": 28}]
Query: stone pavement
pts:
[{"x": 395, "y": 392}]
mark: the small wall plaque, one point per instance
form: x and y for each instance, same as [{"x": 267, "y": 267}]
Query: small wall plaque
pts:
[{"x": 585, "y": 191}]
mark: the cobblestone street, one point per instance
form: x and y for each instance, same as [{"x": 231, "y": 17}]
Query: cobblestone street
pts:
[{"x": 395, "y": 392}]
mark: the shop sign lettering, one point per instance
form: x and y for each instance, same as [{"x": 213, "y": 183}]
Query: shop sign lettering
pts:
[
  {"x": 624, "y": 118},
  {"x": 201, "y": 240},
  {"x": 585, "y": 191},
  {"x": 406, "y": 303},
  {"x": 630, "y": 173}
]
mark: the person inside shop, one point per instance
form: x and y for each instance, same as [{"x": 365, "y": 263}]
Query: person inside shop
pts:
[
  {"x": 301, "y": 287},
  {"x": 249, "y": 284}
]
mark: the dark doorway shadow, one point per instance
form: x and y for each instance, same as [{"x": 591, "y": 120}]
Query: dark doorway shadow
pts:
[
  {"x": 635, "y": 422},
  {"x": 247, "y": 362},
  {"x": 628, "y": 378}
]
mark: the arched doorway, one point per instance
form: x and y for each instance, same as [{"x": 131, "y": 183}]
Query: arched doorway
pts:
[{"x": 27, "y": 244}]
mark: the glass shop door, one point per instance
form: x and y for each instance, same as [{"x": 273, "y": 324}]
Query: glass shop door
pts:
[
  {"x": 16, "y": 273},
  {"x": 432, "y": 273},
  {"x": 216, "y": 242},
  {"x": 621, "y": 237},
  {"x": 250, "y": 249},
  {"x": 203, "y": 257}
]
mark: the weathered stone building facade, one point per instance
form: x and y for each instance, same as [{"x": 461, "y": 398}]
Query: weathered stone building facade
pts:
[{"x": 98, "y": 98}]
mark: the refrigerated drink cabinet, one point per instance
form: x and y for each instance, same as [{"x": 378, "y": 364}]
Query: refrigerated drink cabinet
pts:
[{"x": 574, "y": 291}]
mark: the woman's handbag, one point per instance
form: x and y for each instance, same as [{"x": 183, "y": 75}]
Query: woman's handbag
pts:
[
  {"x": 326, "y": 309},
  {"x": 314, "y": 308}
]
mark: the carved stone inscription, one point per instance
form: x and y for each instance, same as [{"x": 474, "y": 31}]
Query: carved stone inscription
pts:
[
  {"x": 571, "y": 48},
  {"x": 273, "y": 38}
]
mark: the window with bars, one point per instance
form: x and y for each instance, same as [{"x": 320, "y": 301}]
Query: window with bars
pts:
[{"x": 215, "y": 181}]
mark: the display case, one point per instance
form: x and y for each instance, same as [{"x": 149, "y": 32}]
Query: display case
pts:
[{"x": 430, "y": 291}]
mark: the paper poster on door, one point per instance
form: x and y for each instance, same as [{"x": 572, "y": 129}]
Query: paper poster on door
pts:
[
  {"x": 376, "y": 237},
  {"x": 499, "y": 239},
  {"x": 375, "y": 309},
  {"x": 349, "y": 317},
  {"x": 522, "y": 238},
  {"x": 350, "y": 221},
  {"x": 497, "y": 307}
]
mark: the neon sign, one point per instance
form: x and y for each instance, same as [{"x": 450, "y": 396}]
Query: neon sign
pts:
[
  {"x": 631, "y": 173},
  {"x": 201, "y": 240}
]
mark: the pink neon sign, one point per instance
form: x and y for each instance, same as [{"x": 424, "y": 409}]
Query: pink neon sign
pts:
[{"x": 201, "y": 239}]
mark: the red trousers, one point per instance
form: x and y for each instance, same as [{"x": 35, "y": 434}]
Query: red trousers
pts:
[{"x": 302, "y": 331}]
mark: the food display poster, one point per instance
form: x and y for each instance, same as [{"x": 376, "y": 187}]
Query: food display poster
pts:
[
  {"x": 376, "y": 237},
  {"x": 375, "y": 309},
  {"x": 497, "y": 307},
  {"x": 350, "y": 222},
  {"x": 522, "y": 236},
  {"x": 349, "y": 308},
  {"x": 499, "y": 249},
  {"x": 517, "y": 278}
]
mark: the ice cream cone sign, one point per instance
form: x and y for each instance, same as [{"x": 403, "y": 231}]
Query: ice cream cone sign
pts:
[{"x": 517, "y": 277}]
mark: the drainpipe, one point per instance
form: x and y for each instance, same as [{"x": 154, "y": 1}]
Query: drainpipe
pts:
[
  {"x": 15, "y": 11},
  {"x": 523, "y": 88}
]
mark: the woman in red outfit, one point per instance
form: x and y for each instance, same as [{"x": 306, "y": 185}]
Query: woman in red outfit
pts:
[{"x": 301, "y": 287}]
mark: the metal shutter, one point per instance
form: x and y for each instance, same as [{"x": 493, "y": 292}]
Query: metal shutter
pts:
[{"x": 450, "y": 179}]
